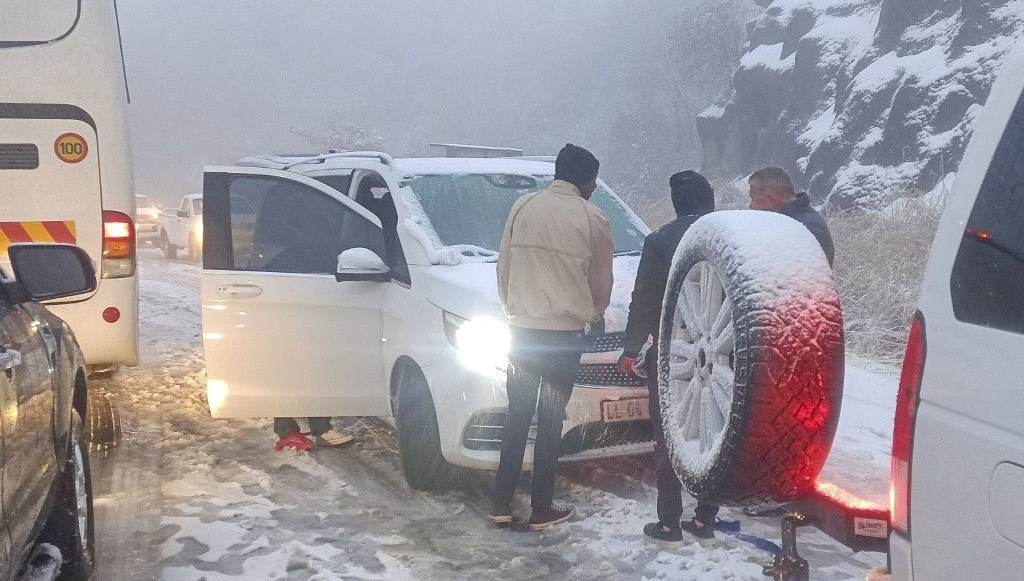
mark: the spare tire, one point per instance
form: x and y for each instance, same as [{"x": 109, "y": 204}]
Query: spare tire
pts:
[{"x": 751, "y": 359}]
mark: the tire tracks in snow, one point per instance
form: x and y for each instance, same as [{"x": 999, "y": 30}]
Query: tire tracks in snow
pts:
[{"x": 187, "y": 497}]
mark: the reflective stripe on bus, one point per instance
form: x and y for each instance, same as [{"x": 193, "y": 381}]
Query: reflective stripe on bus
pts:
[{"x": 61, "y": 231}]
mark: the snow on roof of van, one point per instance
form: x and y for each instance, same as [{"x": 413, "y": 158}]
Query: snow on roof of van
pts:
[{"x": 468, "y": 165}]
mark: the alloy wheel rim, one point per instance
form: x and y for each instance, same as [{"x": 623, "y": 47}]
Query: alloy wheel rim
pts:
[{"x": 701, "y": 363}]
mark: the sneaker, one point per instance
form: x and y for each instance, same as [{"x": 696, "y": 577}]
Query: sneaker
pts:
[
  {"x": 663, "y": 533},
  {"x": 333, "y": 437},
  {"x": 698, "y": 529},
  {"x": 295, "y": 441},
  {"x": 542, "y": 519},
  {"x": 501, "y": 514}
]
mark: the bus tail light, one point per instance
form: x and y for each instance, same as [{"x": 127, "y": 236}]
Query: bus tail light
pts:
[{"x": 118, "y": 245}]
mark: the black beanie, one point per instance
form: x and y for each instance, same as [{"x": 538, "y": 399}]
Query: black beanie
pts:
[
  {"x": 575, "y": 165},
  {"x": 692, "y": 193}
]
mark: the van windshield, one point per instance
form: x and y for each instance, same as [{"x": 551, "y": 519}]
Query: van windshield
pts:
[{"x": 472, "y": 209}]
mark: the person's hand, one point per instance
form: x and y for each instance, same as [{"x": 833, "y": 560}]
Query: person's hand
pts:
[
  {"x": 596, "y": 327},
  {"x": 627, "y": 364}
]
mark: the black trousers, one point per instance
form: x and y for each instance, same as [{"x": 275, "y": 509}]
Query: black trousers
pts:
[
  {"x": 540, "y": 380},
  {"x": 285, "y": 426},
  {"x": 670, "y": 489}
]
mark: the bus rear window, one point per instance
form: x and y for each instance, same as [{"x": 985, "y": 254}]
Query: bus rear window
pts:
[{"x": 26, "y": 22}]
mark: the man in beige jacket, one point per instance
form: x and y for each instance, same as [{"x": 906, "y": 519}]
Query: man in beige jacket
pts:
[{"x": 555, "y": 280}]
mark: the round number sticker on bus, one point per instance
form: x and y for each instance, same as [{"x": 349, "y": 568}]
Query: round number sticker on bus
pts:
[{"x": 71, "y": 148}]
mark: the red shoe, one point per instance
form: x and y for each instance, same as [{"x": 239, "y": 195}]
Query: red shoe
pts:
[{"x": 296, "y": 441}]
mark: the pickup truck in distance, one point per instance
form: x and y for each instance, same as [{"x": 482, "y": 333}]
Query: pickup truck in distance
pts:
[{"x": 183, "y": 228}]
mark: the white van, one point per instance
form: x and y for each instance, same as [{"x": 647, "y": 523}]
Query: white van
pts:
[
  {"x": 356, "y": 284},
  {"x": 65, "y": 173},
  {"x": 958, "y": 444}
]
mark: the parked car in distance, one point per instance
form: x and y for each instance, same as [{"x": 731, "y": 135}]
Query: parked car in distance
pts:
[
  {"x": 958, "y": 445},
  {"x": 47, "y": 490},
  {"x": 147, "y": 217},
  {"x": 182, "y": 229}
]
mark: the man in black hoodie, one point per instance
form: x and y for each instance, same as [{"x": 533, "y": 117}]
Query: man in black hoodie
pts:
[
  {"x": 772, "y": 190},
  {"x": 692, "y": 197}
]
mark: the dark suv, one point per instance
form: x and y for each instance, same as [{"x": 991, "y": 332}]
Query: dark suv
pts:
[{"x": 46, "y": 492}]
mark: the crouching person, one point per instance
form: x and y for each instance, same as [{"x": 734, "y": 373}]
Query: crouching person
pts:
[{"x": 554, "y": 278}]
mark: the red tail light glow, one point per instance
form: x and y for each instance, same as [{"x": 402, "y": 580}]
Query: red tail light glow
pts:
[
  {"x": 118, "y": 235},
  {"x": 118, "y": 245},
  {"x": 903, "y": 428}
]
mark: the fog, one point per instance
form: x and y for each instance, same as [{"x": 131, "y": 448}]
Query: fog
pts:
[{"x": 214, "y": 81}]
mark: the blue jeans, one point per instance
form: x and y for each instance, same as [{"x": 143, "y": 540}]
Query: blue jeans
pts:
[{"x": 540, "y": 379}]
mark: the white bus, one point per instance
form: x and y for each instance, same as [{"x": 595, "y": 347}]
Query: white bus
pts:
[{"x": 65, "y": 166}]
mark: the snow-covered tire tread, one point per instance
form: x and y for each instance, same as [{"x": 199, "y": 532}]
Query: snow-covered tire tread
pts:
[{"x": 788, "y": 359}]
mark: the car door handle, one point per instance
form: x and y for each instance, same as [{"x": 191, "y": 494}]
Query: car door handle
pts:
[
  {"x": 9, "y": 359},
  {"x": 240, "y": 291}
]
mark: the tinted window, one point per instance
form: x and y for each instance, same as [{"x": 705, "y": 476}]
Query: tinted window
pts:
[
  {"x": 988, "y": 277},
  {"x": 197, "y": 204},
  {"x": 282, "y": 226},
  {"x": 338, "y": 182},
  {"x": 373, "y": 194}
]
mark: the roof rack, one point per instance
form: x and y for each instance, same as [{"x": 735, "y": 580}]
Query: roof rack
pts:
[
  {"x": 384, "y": 158},
  {"x": 267, "y": 161},
  {"x": 486, "y": 151},
  {"x": 286, "y": 162}
]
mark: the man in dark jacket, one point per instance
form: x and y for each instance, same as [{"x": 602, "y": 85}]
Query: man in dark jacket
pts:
[
  {"x": 771, "y": 189},
  {"x": 692, "y": 197}
]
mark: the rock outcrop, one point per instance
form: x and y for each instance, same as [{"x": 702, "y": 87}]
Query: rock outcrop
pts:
[{"x": 864, "y": 101}]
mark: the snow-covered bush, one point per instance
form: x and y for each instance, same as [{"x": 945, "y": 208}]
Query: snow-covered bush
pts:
[{"x": 880, "y": 260}]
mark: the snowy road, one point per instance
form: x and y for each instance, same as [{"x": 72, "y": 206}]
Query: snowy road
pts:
[{"x": 185, "y": 497}]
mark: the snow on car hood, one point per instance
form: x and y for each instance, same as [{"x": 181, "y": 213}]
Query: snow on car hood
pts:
[{"x": 471, "y": 290}]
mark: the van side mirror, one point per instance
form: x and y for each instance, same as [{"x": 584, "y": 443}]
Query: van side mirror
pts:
[
  {"x": 361, "y": 264},
  {"x": 52, "y": 271},
  {"x": 183, "y": 213}
]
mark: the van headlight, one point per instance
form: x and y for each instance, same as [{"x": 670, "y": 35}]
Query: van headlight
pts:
[{"x": 483, "y": 343}]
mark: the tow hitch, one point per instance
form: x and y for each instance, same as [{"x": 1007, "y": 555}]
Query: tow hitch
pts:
[
  {"x": 788, "y": 565},
  {"x": 856, "y": 523}
]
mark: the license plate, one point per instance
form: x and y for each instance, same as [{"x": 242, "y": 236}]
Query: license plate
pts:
[{"x": 625, "y": 410}]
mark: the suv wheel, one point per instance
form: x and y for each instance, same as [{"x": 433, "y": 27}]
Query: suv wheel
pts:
[
  {"x": 170, "y": 250},
  {"x": 751, "y": 359},
  {"x": 70, "y": 526},
  {"x": 419, "y": 440}
]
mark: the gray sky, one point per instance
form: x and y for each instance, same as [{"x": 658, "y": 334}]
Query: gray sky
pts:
[{"x": 214, "y": 81}]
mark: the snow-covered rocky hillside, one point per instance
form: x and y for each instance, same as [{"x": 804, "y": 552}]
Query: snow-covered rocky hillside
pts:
[{"x": 865, "y": 101}]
